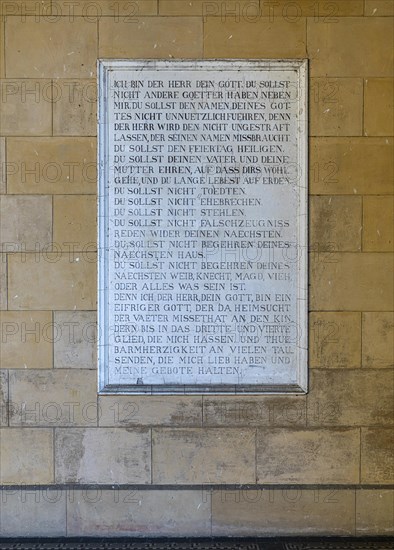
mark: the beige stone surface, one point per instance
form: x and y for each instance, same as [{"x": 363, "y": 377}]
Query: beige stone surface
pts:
[
  {"x": 228, "y": 38},
  {"x": 348, "y": 398},
  {"x": 25, "y": 513},
  {"x": 53, "y": 398},
  {"x": 3, "y": 167},
  {"x": 26, "y": 456},
  {"x": 75, "y": 108},
  {"x": 26, "y": 340},
  {"x": 52, "y": 165},
  {"x": 3, "y": 398},
  {"x": 379, "y": 107},
  {"x": 308, "y": 456},
  {"x": 26, "y": 107},
  {"x": 378, "y": 224},
  {"x": 75, "y": 345},
  {"x": 336, "y": 107},
  {"x": 60, "y": 48},
  {"x": 378, "y": 339},
  {"x": 273, "y": 512},
  {"x": 3, "y": 281},
  {"x": 310, "y": 8},
  {"x": 354, "y": 46},
  {"x": 102, "y": 455},
  {"x": 193, "y": 456},
  {"x": 122, "y": 10},
  {"x": 351, "y": 166},
  {"x": 262, "y": 410},
  {"x": 139, "y": 513},
  {"x": 335, "y": 223},
  {"x": 334, "y": 339},
  {"x": 379, "y": 8},
  {"x": 151, "y": 37},
  {"x": 25, "y": 223},
  {"x": 377, "y": 459},
  {"x": 56, "y": 281},
  {"x": 238, "y": 9},
  {"x": 374, "y": 512},
  {"x": 138, "y": 410},
  {"x": 2, "y": 44},
  {"x": 74, "y": 221},
  {"x": 351, "y": 281},
  {"x": 23, "y": 8}
]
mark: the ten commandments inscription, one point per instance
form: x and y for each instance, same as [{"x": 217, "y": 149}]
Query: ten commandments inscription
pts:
[{"x": 202, "y": 226}]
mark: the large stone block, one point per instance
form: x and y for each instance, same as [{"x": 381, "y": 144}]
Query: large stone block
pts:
[
  {"x": 3, "y": 281},
  {"x": 75, "y": 108},
  {"x": 122, "y": 10},
  {"x": 379, "y": 8},
  {"x": 102, "y": 455},
  {"x": 237, "y": 9},
  {"x": 308, "y": 456},
  {"x": 55, "y": 281},
  {"x": 25, "y": 223},
  {"x": 139, "y": 513},
  {"x": 3, "y": 170},
  {"x": 151, "y": 37},
  {"x": 75, "y": 344},
  {"x": 348, "y": 398},
  {"x": 227, "y": 38},
  {"x": 53, "y": 398},
  {"x": 378, "y": 107},
  {"x": 351, "y": 281},
  {"x": 60, "y": 48},
  {"x": 334, "y": 339},
  {"x": 378, "y": 224},
  {"x": 276, "y": 512},
  {"x": 26, "y": 456},
  {"x": 26, "y": 339},
  {"x": 374, "y": 512},
  {"x": 3, "y": 398},
  {"x": 342, "y": 47},
  {"x": 26, "y": 107},
  {"x": 193, "y": 456},
  {"x": 51, "y": 165},
  {"x": 378, "y": 338},
  {"x": 351, "y": 166},
  {"x": 74, "y": 221},
  {"x": 377, "y": 458},
  {"x": 336, "y": 107}
]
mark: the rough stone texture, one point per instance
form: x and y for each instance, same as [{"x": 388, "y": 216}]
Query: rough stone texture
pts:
[
  {"x": 74, "y": 221},
  {"x": 26, "y": 340},
  {"x": 335, "y": 224},
  {"x": 378, "y": 107},
  {"x": 378, "y": 338},
  {"x": 377, "y": 460},
  {"x": 25, "y": 223},
  {"x": 75, "y": 108},
  {"x": 28, "y": 513},
  {"x": 139, "y": 513},
  {"x": 56, "y": 281},
  {"x": 3, "y": 282},
  {"x": 378, "y": 224},
  {"x": 122, "y": 10},
  {"x": 3, "y": 169},
  {"x": 374, "y": 512},
  {"x": 72, "y": 43},
  {"x": 336, "y": 107},
  {"x": 351, "y": 281},
  {"x": 75, "y": 344},
  {"x": 3, "y": 398},
  {"x": 211, "y": 456},
  {"x": 102, "y": 455},
  {"x": 26, "y": 456},
  {"x": 137, "y": 410},
  {"x": 26, "y": 107},
  {"x": 334, "y": 340},
  {"x": 2, "y": 55},
  {"x": 240, "y": 9},
  {"x": 151, "y": 37},
  {"x": 348, "y": 398},
  {"x": 228, "y": 38},
  {"x": 351, "y": 166},
  {"x": 267, "y": 410},
  {"x": 307, "y": 456},
  {"x": 51, "y": 165},
  {"x": 379, "y": 8},
  {"x": 276, "y": 512},
  {"x": 343, "y": 47},
  {"x": 53, "y": 398}
]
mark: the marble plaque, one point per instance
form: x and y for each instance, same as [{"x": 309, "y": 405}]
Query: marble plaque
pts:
[{"x": 202, "y": 226}]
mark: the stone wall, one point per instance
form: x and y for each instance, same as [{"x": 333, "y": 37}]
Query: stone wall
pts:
[{"x": 73, "y": 463}]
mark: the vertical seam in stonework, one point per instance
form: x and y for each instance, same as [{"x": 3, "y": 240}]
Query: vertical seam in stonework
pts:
[
  {"x": 202, "y": 411},
  {"x": 355, "y": 512},
  {"x": 362, "y": 223},
  {"x": 360, "y": 443},
  {"x": 151, "y": 456},
  {"x": 363, "y": 111},
  {"x": 52, "y": 106}
]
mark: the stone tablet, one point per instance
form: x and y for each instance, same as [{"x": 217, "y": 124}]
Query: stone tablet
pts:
[{"x": 202, "y": 226}]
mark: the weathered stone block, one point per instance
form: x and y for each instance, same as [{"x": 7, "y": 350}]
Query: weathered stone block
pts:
[
  {"x": 74, "y": 220},
  {"x": 75, "y": 108},
  {"x": 75, "y": 345},
  {"x": 378, "y": 107},
  {"x": 378, "y": 338},
  {"x": 374, "y": 512},
  {"x": 378, "y": 224},
  {"x": 377, "y": 459}
]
